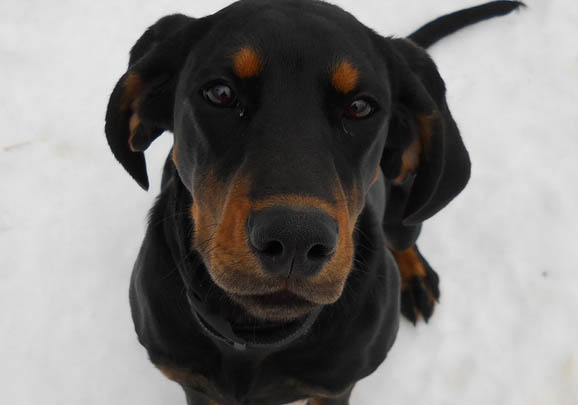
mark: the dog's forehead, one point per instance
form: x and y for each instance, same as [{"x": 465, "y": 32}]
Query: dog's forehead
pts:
[
  {"x": 288, "y": 33},
  {"x": 265, "y": 15}
]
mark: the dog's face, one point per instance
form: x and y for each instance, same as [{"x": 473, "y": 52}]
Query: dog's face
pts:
[{"x": 284, "y": 114}]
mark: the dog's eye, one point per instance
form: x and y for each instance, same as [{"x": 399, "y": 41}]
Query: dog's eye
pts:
[
  {"x": 359, "y": 108},
  {"x": 220, "y": 95}
]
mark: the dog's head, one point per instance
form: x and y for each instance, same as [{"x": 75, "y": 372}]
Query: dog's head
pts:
[{"x": 284, "y": 114}]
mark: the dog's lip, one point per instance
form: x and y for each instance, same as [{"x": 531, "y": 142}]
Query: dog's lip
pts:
[
  {"x": 271, "y": 290},
  {"x": 268, "y": 330},
  {"x": 281, "y": 306},
  {"x": 276, "y": 327},
  {"x": 281, "y": 298}
]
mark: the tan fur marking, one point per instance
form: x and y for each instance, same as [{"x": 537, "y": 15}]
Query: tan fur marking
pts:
[
  {"x": 345, "y": 77},
  {"x": 220, "y": 212},
  {"x": 246, "y": 63},
  {"x": 409, "y": 160},
  {"x": 132, "y": 89},
  {"x": 175, "y": 154},
  {"x": 188, "y": 379},
  {"x": 377, "y": 174},
  {"x": 133, "y": 124},
  {"x": 426, "y": 129},
  {"x": 232, "y": 240},
  {"x": 418, "y": 147},
  {"x": 317, "y": 393},
  {"x": 410, "y": 265},
  {"x": 320, "y": 401},
  {"x": 184, "y": 377},
  {"x": 208, "y": 200}
]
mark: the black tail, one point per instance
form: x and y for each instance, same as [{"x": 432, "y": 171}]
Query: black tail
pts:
[{"x": 445, "y": 25}]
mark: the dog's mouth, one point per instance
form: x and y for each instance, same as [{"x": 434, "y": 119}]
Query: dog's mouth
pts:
[
  {"x": 279, "y": 306},
  {"x": 266, "y": 321},
  {"x": 266, "y": 332}
]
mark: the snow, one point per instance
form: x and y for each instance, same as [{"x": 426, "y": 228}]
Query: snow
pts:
[{"x": 71, "y": 220}]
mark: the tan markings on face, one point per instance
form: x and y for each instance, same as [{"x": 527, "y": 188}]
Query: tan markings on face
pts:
[
  {"x": 413, "y": 154},
  {"x": 410, "y": 266},
  {"x": 208, "y": 199},
  {"x": 246, "y": 63},
  {"x": 345, "y": 77},
  {"x": 220, "y": 212},
  {"x": 234, "y": 266}
]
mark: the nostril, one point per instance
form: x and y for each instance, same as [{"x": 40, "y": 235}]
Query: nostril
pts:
[
  {"x": 272, "y": 248},
  {"x": 319, "y": 252},
  {"x": 292, "y": 242}
]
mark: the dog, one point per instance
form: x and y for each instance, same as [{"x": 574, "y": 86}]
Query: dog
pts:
[{"x": 308, "y": 151}]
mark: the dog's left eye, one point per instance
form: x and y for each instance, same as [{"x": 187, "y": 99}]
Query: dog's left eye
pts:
[
  {"x": 220, "y": 95},
  {"x": 359, "y": 108}
]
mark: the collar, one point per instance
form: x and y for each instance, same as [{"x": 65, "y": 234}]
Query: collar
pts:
[{"x": 222, "y": 330}]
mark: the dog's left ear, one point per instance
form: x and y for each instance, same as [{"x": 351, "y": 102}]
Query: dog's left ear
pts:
[
  {"x": 424, "y": 157},
  {"x": 141, "y": 105}
]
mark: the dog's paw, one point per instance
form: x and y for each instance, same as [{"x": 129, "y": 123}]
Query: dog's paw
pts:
[{"x": 419, "y": 285}]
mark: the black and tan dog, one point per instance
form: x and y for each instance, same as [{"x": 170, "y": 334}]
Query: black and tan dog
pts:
[{"x": 308, "y": 150}]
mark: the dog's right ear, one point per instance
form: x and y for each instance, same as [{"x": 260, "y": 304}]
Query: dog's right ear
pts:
[
  {"x": 424, "y": 147},
  {"x": 141, "y": 105}
]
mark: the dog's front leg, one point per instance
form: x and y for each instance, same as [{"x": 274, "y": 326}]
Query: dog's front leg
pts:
[
  {"x": 196, "y": 398},
  {"x": 342, "y": 399}
]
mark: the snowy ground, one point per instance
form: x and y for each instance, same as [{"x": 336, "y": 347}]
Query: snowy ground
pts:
[{"x": 71, "y": 220}]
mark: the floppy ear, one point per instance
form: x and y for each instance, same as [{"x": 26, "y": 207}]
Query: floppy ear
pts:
[
  {"x": 424, "y": 156},
  {"x": 141, "y": 105}
]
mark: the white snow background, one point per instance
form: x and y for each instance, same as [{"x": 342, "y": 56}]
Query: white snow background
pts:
[{"x": 71, "y": 219}]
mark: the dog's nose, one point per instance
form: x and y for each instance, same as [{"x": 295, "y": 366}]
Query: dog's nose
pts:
[{"x": 290, "y": 242}]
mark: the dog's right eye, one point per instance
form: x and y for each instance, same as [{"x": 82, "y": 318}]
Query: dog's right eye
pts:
[
  {"x": 359, "y": 109},
  {"x": 220, "y": 95}
]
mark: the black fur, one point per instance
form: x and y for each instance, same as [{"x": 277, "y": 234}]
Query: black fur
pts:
[{"x": 288, "y": 132}]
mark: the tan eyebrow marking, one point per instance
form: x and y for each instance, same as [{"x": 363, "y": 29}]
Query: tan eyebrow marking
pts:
[
  {"x": 246, "y": 63},
  {"x": 345, "y": 76}
]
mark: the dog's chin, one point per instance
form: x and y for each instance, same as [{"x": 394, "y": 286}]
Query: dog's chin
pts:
[{"x": 278, "y": 306}]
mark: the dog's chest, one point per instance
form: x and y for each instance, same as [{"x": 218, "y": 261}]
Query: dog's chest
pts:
[{"x": 238, "y": 383}]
